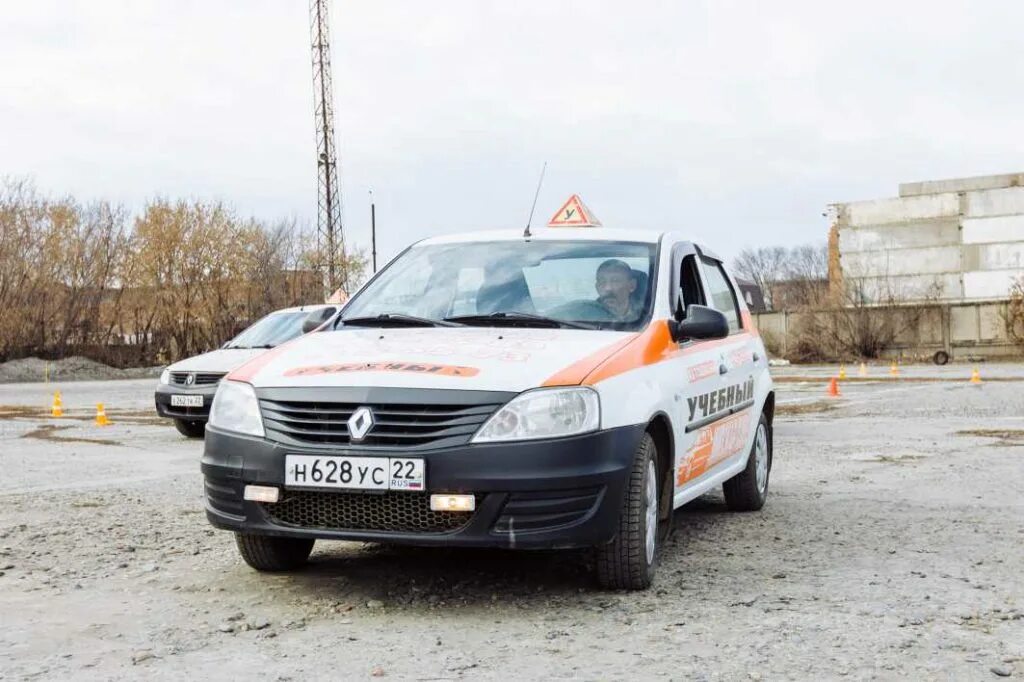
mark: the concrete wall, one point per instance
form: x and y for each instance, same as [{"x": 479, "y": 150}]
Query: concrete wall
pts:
[
  {"x": 946, "y": 240},
  {"x": 964, "y": 330}
]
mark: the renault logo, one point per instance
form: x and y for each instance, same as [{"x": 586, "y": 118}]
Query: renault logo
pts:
[
  {"x": 359, "y": 424},
  {"x": 190, "y": 379}
]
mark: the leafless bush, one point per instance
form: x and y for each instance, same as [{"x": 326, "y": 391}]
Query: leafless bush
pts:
[
  {"x": 856, "y": 325},
  {"x": 1014, "y": 314}
]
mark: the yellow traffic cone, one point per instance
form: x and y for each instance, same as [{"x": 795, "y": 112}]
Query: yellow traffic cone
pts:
[
  {"x": 894, "y": 369},
  {"x": 863, "y": 371},
  {"x": 975, "y": 376},
  {"x": 57, "y": 410},
  {"x": 101, "y": 416},
  {"x": 842, "y": 372}
]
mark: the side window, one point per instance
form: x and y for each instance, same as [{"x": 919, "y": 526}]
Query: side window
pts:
[
  {"x": 689, "y": 282},
  {"x": 723, "y": 298}
]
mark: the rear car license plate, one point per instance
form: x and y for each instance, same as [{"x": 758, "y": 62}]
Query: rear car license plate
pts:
[
  {"x": 186, "y": 401},
  {"x": 354, "y": 473}
]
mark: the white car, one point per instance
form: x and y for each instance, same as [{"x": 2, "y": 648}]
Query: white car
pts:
[
  {"x": 187, "y": 387},
  {"x": 569, "y": 388}
]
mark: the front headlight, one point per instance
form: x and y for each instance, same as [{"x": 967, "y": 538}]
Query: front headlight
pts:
[
  {"x": 165, "y": 377},
  {"x": 235, "y": 408},
  {"x": 544, "y": 413}
]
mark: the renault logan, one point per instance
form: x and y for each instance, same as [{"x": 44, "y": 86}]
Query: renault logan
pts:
[{"x": 567, "y": 389}]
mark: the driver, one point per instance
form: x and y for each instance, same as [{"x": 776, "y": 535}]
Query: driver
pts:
[{"x": 615, "y": 284}]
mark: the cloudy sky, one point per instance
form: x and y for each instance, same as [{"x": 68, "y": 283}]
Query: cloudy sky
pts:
[{"x": 733, "y": 121}]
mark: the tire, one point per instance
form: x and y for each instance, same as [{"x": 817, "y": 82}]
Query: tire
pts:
[
  {"x": 190, "y": 429},
  {"x": 628, "y": 562},
  {"x": 267, "y": 553},
  {"x": 744, "y": 492},
  {"x": 940, "y": 358}
]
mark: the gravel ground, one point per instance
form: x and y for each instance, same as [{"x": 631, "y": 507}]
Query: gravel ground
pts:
[{"x": 891, "y": 546}]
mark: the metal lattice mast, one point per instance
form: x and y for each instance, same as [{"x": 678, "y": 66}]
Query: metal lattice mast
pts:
[{"x": 330, "y": 237}]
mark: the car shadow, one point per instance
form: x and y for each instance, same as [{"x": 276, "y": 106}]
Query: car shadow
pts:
[{"x": 413, "y": 576}]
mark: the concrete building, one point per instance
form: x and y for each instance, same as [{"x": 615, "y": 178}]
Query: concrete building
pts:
[{"x": 951, "y": 241}]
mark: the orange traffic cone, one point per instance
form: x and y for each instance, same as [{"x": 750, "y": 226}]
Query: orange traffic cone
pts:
[
  {"x": 842, "y": 372},
  {"x": 894, "y": 369},
  {"x": 101, "y": 416},
  {"x": 975, "y": 376},
  {"x": 833, "y": 388},
  {"x": 863, "y": 371},
  {"x": 57, "y": 410}
]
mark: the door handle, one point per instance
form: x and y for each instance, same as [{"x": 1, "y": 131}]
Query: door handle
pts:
[
  {"x": 722, "y": 369},
  {"x": 756, "y": 357}
]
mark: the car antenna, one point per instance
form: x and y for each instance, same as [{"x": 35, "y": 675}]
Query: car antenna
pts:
[{"x": 526, "y": 232}]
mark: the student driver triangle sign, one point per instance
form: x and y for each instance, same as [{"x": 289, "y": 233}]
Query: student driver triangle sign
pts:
[{"x": 574, "y": 213}]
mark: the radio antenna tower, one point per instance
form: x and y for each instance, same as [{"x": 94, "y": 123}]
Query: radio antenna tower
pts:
[{"x": 330, "y": 237}]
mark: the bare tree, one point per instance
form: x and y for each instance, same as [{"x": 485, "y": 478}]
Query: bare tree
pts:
[{"x": 788, "y": 277}]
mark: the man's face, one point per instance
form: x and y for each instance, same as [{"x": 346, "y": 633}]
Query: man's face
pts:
[{"x": 614, "y": 287}]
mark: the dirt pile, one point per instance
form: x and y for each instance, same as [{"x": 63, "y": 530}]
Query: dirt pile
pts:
[{"x": 75, "y": 368}]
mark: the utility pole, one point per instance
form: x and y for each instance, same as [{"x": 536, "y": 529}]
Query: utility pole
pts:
[
  {"x": 373, "y": 230},
  {"x": 330, "y": 236}
]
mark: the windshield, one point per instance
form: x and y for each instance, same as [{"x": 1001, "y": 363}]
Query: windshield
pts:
[
  {"x": 595, "y": 284},
  {"x": 272, "y": 330}
]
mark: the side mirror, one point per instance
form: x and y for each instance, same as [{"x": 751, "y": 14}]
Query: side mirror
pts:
[
  {"x": 315, "y": 319},
  {"x": 701, "y": 322}
]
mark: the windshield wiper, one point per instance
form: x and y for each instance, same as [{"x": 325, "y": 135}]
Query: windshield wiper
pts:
[
  {"x": 523, "y": 319},
  {"x": 398, "y": 320},
  {"x": 263, "y": 345}
]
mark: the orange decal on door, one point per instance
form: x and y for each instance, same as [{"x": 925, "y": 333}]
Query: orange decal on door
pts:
[{"x": 714, "y": 443}]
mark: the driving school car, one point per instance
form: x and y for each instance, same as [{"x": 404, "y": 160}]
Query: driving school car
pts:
[
  {"x": 186, "y": 389},
  {"x": 564, "y": 389}
]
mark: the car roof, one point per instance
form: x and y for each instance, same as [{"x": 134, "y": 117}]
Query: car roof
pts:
[
  {"x": 550, "y": 234},
  {"x": 306, "y": 308}
]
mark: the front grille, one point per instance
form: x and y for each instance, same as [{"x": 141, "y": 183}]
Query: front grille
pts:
[
  {"x": 534, "y": 511},
  {"x": 202, "y": 378},
  {"x": 397, "y": 512},
  {"x": 395, "y": 425}
]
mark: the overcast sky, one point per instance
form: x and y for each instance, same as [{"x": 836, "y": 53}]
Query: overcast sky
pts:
[{"x": 736, "y": 122}]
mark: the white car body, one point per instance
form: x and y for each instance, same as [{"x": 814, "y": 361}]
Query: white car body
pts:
[{"x": 701, "y": 400}]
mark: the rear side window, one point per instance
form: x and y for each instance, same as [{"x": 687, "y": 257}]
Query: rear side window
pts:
[{"x": 723, "y": 298}]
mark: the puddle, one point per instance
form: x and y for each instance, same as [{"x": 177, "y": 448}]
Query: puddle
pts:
[
  {"x": 49, "y": 432},
  {"x": 1002, "y": 436}
]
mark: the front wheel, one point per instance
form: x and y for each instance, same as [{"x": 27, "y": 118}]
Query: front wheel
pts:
[
  {"x": 628, "y": 561},
  {"x": 268, "y": 553},
  {"x": 748, "y": 490}
]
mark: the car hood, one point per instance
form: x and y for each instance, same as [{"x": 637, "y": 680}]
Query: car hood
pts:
[
  {"x": 221, "y": 360},
  {"x": 491, "y": 359}
]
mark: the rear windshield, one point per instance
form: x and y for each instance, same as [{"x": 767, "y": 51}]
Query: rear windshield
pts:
[{"x": 600, "y": 284}]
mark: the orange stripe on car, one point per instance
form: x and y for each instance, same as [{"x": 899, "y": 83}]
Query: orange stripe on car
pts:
[{"x": 649, "y": 347}]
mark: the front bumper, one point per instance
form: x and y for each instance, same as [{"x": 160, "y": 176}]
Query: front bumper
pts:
[
  {"x": 559, "y": 493},
  {"x": 165, "y": 409}
]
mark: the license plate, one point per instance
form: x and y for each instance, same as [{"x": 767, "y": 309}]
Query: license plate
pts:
[
  {"x": 186, "y": 401},
  {"x": 354, "y": 473}
]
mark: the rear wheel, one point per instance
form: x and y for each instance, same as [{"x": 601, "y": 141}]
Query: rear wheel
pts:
[
  {"x": 190, "y": 429},
  {"x": 628, "y": 561},
  {"x": 267, "y": 553},
  {"x": 748, "y": 490}
]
